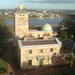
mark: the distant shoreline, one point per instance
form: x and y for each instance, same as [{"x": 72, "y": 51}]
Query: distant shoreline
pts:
[{"x": 42, "y": 18}]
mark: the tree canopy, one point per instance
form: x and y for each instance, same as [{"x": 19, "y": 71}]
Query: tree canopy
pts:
[
  {"x": 70, "y": 58},
  {"x": 4, "y": 32},
  {"x": 68, "y": 25}
]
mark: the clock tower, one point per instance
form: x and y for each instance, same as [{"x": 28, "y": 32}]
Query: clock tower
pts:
[{"x": 21, "y": 22}]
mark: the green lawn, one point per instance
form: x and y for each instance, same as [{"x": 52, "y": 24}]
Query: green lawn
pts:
[{"x": 3, "y": 66}]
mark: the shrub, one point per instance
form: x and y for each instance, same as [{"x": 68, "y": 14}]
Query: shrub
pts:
[{"x": 3, "y": 66}]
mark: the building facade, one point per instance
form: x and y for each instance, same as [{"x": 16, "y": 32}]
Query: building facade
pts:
[{"x": 38, "y": 52}]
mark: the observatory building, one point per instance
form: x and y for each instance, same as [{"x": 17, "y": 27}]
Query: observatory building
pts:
[{"x": 36, "y": 46}]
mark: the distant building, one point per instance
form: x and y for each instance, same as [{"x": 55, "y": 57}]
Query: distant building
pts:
[{"x": 36, "y": 47}]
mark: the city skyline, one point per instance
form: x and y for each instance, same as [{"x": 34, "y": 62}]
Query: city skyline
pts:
[{"x": 39, "y": 4}]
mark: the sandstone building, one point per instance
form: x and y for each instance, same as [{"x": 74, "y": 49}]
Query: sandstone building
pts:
[{"x": 36, "y": 47}]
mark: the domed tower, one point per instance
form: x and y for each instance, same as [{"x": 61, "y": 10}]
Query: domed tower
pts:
[{"x": 21, "y": 22}]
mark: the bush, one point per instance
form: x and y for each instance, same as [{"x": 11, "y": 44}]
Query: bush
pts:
[
  {"x": 3, "y": 66},
  {"x": 71, "y": 72},
  {"x": 2, "y": 70}
]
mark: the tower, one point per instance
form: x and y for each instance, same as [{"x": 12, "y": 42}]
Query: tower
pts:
[{"x": 21, "y": 22}]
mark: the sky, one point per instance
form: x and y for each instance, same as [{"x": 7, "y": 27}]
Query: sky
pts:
[
  {"x": 39, "y": 4},
  {"x": 52, "y": 1}
]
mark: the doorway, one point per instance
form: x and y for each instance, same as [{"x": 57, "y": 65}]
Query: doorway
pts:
[
  {"x": 30, "y": 62},
  {"x": 41, "y": 62}
]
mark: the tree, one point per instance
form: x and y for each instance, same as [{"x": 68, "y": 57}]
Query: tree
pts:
[
  {"x": 3, "y": 19},
  {"x": 69, "y": 24},
  {"x": 70, "y": 58},
  {"x": 63, "y": 35},
  {"x": 5, "y": 33}
]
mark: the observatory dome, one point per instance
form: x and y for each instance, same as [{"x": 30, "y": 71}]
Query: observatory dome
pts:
[{"x": 47, "y": 27}]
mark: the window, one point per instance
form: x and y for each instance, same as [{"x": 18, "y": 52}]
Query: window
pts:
[
  {"x": 30, "y": 51},
  {"x": 30, "y": 62},
  {"x": 41, "y": 51},
  {"x": 51, "y": 50},
  {"x": 54, "y": 54},
  {"x": 20, "y": 15}
]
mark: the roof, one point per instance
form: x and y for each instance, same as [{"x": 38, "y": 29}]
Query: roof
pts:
[{"x": 38, "y": 42}]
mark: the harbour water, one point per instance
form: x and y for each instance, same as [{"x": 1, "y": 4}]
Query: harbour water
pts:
[{"x": 54, "y": 21}]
